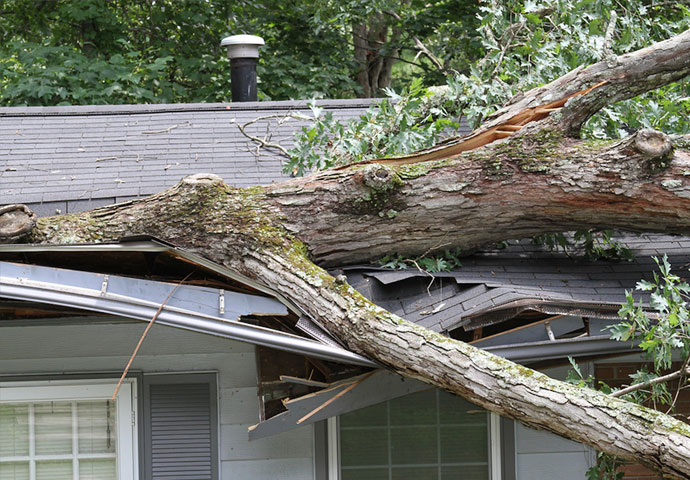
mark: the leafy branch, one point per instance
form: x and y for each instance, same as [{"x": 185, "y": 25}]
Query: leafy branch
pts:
[
  {"x": 401, "y": 123},
  {"x": 660, "y": 333},
  {"x": 445, "y": 261},
  {"x": 594, "y": 244}
]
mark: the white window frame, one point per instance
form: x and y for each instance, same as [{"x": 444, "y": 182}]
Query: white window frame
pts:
[
  {"x": 61, "y": 390},
  {"x": 333, "y": 435}
]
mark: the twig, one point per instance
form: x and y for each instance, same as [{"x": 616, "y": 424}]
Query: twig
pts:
[
  {"x": 608, "y": 40},
  {"x": 654, "y": 381},
  {"x": 512, "y": 33},
  {"x": 262, "y": 142},
  {"x": 143, "y": 335},
  {"x": 683, "y": 368},
  {"x": 421, "y": 47},
  {"x": 157, "y": 132},
  {"x": 428, "y": 251},
  {"x": 266, "y": 141}
]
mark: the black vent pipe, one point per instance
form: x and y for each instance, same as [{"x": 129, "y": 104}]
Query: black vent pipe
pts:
[{"x": 243, "y": 52}]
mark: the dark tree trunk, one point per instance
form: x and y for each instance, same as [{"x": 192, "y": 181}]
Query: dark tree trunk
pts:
[{"x": 375, "y": 55}]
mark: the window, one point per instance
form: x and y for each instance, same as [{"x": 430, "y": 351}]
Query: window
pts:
[
  {"x": 430, "y": 435},
  {"x": 59, "y": 431}
]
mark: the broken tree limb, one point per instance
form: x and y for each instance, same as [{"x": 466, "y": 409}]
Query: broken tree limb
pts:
[
  {"x": 243, "y": 231},
  {"x": 655, "y": 381},
  {"x": 16, "y": 222},
  {"x": 532, "y": 183},
  {"x": 540, "y": 179},
  {"x": 481, "y": 137}
]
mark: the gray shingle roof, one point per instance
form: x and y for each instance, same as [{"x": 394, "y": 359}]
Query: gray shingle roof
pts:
[
  {"x": 77, "y": 158},
  {"x": 66, "y": 159}
]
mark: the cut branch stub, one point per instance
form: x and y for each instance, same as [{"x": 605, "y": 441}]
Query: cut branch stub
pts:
[
  {"x": 202, "y": 179},
  {"x": 16, "y": 221},
  {"x": 378, "y": 177},
  {"x": 653, "y": 144}
]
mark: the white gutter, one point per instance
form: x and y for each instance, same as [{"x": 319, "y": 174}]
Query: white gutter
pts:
[{"x": 128, "y": 297}]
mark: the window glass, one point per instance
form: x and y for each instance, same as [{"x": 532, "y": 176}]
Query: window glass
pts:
[
  {"x": 14, "y": 430},
  {"x": 52, "y": 428},
  {"x": 96, "y": 428},
  {"x": 71, "y": 438},
  {"x": 429, "y": 435}
]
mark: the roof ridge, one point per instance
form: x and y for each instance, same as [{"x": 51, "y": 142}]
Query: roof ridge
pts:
[{"x": 133, "y": 109}]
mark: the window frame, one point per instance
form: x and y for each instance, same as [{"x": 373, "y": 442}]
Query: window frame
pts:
[
  {"x": 494, "y": 447},
  {"x": 93, "y": 389}
]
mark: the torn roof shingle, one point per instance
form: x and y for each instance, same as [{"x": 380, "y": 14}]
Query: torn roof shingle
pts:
[{"x": 493, "y": 286}]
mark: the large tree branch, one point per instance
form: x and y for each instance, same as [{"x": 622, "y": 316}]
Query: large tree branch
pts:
[
  {"x": 523, "y": 186},
  {"x": 625, "y": 77},
  {"x": 243, "y": 230}
]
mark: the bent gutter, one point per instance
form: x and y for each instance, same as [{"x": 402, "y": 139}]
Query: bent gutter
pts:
[
  {"x": 146, "y": 243},
  {"x": 24, "y": 282},
  {"x": 553, "y": 349}
]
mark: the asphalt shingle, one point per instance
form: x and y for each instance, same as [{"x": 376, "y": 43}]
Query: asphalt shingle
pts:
[{"x": 88, "y": 154}]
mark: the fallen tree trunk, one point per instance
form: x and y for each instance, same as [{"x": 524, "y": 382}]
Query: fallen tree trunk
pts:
[{"x": 535, "y": 180}]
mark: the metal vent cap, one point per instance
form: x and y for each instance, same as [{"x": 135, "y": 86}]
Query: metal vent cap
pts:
[{"x": 242, "y": 46}]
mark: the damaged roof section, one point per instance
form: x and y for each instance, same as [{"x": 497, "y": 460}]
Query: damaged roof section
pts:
[{"x": 497, "y": 291}]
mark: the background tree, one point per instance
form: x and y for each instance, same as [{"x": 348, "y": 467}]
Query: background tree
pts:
[{"x": 155, "y": 51}]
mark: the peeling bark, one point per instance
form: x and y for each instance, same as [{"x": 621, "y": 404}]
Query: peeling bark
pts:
[{"x": 539, "y": 179}]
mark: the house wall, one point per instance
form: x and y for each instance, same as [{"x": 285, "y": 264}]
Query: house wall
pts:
[
  {"x": 545, "y": 455},
  {"x": 105, "y": 348}
]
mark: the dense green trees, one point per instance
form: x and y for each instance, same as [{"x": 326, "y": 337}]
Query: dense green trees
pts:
[
  {"x": 119, "y": 51},
  {"x": 522, "y": 45}
]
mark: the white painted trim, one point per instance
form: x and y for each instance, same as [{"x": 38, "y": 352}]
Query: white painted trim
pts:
[
  {"x": 57, "y": 390},
  {"x": 495, "y": 446},
  {"x": 333, "y": 449}
]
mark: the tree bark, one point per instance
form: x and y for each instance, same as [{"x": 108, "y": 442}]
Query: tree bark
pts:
[{"x": 531, "y": 178}]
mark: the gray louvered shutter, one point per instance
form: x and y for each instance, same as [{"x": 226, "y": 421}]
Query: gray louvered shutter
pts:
[{"x": 181, "y": 431}]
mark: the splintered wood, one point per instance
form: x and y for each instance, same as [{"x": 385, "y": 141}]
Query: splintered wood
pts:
[{"x": 455, "y": 145}]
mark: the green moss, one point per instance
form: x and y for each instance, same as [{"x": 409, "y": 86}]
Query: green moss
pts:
[
  {"x": 681, "y": 142},
  {"x": 534, "y": 154},
  {"x": 671, "y": 184},
  {"x": 68, "y": 228},
  {"x": 379, "y": 198},
  {"x": 389, "y": 214},
  {"x": 659, "y": 164},
  {"x": 419, "y": 169}
]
